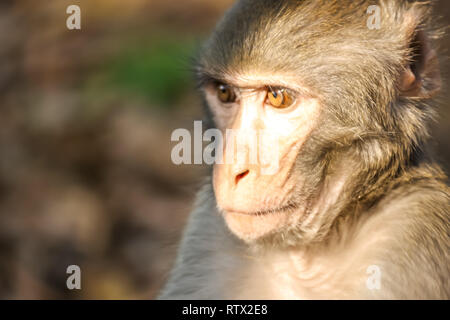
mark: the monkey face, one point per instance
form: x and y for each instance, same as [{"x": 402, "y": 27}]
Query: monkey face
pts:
[
  {"x": 264, "y": 126},
  {"x": 306, "y": 111}
]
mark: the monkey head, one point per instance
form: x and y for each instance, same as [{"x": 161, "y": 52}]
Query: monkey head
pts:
[{"x": 307, "y": 89}]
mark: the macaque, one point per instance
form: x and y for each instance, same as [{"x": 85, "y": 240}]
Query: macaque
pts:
[{"x": 357, "y": 208}]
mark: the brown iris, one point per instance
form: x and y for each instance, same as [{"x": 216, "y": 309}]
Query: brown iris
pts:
[
  {"x": 279, "y": 98},
  {"x": 225, "y": 93}
]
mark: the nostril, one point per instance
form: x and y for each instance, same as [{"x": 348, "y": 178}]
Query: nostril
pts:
[{"x": 241, "y": 176}]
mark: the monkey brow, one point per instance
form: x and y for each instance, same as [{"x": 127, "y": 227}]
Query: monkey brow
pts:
[{"x": 205, "y": 78}]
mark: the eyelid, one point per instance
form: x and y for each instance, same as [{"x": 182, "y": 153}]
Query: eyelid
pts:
[{"x": 292, "y": 92}]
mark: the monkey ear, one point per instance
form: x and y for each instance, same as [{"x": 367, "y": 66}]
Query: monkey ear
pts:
[{"x": 421, "y": 78}]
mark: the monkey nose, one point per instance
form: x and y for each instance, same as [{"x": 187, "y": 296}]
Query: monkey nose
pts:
[{"x": 240, "y": 176}]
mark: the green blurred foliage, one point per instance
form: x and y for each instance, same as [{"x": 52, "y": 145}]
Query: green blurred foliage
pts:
[{"x": 158, "y": 72}]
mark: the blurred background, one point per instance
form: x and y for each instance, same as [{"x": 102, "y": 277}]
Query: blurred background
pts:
[{"x": 85, "y": 122}]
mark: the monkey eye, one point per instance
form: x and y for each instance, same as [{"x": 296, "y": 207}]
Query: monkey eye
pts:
[
  {"x": 225, "y": 93},
  {"x": 280, "y": 98}
]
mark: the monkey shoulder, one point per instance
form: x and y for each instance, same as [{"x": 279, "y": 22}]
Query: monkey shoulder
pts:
[
  {"x": 413, "y": 224},
  {"x": 423, "y": 205}
]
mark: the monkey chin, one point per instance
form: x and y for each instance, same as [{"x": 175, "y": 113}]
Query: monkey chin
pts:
[{"x": 252, "y": 227}]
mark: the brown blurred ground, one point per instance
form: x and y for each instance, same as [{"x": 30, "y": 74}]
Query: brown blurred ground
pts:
[{"x": 85, "y": 170}]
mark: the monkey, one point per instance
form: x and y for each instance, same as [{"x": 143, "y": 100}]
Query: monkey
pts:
[{"x": 357, "y": 208}]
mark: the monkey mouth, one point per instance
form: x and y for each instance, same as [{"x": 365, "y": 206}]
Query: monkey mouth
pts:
[{"x": 282, "y": 209}]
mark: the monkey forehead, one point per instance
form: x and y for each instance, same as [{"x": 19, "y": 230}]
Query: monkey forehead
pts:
[
  {"x": 268, "y": 33},
  {"x": 256, "y": 80},
  {"x": 315, "y": 40}
]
